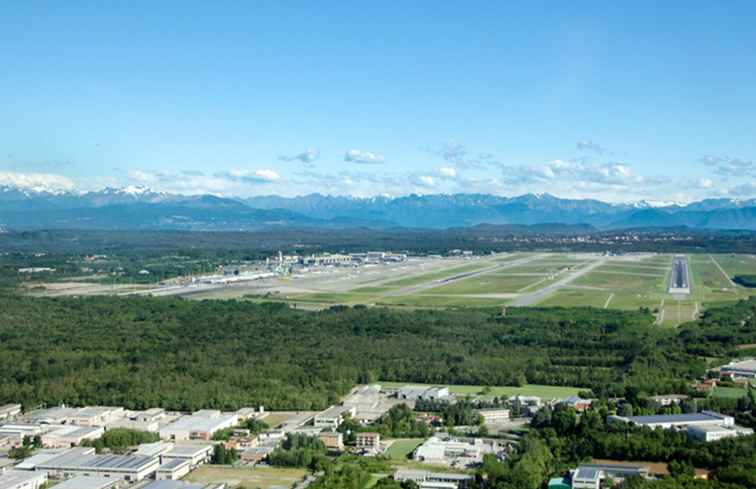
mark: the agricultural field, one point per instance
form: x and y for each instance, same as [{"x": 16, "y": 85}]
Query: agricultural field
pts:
[{"x": 259, "y": 477}]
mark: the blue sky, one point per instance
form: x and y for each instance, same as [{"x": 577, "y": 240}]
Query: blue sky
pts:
[{"x": 580, "y": 99}]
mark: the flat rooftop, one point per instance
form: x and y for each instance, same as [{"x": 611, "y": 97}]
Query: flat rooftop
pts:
[
  {"x": 77, "y": 460},
  {"x": 88, "y": 483},
  {"x": 187, "y": 450},
  {"x": 168, "y": 484},
  {"x": 174, "y": 464},
  {"x": 676, "y": 418},
  {"x": 749, "y": 365},
  {"x": 14, "y": 478}
]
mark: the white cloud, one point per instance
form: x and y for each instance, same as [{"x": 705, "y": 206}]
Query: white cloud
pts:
[
  {"x": 705, "y": 183},
  {"x": 455, "y": 155},
  {"x": 744, "y": 190},
  {"x": 365, "y": 157},
  {"x": 234, "y": 182},
  {"x": 577, "y": 171},
  {"x": 586, "y": 145},
  {"x": 447, "y": 172},
  {"x": 308, "y": 156},
  {"x": 40, "y": 182},
  {"x": 726, "y": 166},
  {"x": 426, "y": 181},
  {"x": 250, "y": 176}
]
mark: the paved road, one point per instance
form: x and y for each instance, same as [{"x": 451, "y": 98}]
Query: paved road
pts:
[{"x": 539, "y": 295}]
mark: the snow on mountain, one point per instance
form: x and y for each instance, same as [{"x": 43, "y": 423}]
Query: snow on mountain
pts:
[{"x": 657, "y": 204}]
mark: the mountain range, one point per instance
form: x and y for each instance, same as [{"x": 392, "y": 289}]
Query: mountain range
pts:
[{"x": 142, "y": 208}]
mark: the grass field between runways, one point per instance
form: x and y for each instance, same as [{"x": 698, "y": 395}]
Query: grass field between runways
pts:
[
  {"x": 490, "y": 283},
  {"x": 568, "y": 297},
  {"x": 437, "y": 275}
]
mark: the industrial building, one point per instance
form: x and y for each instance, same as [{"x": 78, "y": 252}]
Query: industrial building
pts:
[
  {"x": 86, "y": 416},
  {"x": 173, "y": 469},
  {"x": 255, "y": 454},
  {"x": 82, "y": 482},
  {"x": 704, "y": 426},
  {"x": 369, "y": 403},
  {"x": 425, "y": 393},
  {"x": 677, "y": 421},
  {"x": 96, "y": 415},
  {"x": 199, "y": 426},
  {"x": 171, "y": 484},
  {"x": 590, "y": 476},
  {"x": 333, "y": 416},
  {"x": 744, "y": 369},
  {"x": 709, "y": 433},
  {"x": 434, "y": 480},
  {"x": 83, "y": 461},
  {"x": 154, "y": 449},
  {"x": 66, "y": 436},
  {"x": 9, "y": 411},
  {"x": 195, "y": 454},
  {"x": 20, "y": 479},
  {"x": 456, "y": 452}
]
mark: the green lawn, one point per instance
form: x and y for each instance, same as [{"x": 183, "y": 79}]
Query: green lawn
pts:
[
  {"x": 608, "y": 279},
  {"x": 543, "y": 267},
  {"x": 635, "y": 300},
  {"x": 374, "y": 478},
  {"x": 678, "y": 312},
  {"x": 729, "y": 392},
  {"x": 401, "y": 449},
  {"x": 422, "y": 300},
  {"x": 380, "y": 289},
  {"x": 437, "y": 275},
  {"x": 737, "y": 264},
  {"x": 332, "y": 297},
  {"x": 543, "y": 391},
  {"x": 567, "y": 297},
  {"x": 490, "y": 283}
]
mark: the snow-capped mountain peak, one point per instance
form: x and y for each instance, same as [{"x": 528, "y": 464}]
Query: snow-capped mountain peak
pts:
[{"x": 657, "y": 204}]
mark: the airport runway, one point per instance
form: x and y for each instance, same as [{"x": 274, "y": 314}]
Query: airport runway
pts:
[{"x": 539, "y": 295}]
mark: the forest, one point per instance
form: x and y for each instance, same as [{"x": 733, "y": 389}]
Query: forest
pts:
[
  {"x": 144, "y": 352},
  {"x": 745, "y": 280}
]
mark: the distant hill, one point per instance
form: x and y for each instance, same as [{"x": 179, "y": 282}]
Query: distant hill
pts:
[{"x": 142, "y": 208}]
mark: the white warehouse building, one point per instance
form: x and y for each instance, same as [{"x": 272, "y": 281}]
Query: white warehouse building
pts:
[{"x": 199, "y": 426}]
